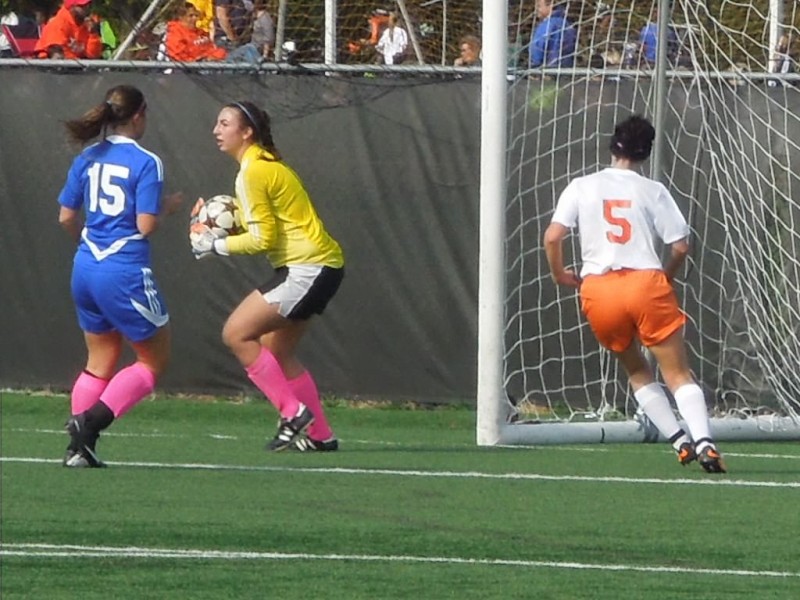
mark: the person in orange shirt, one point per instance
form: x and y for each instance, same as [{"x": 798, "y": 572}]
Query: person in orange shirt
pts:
[
  {"x": 72, "y": 29},
  {"x": 185, "y": 42}
]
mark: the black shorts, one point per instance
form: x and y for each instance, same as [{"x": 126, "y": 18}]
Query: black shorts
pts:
[{"x": 301, "y": 291}]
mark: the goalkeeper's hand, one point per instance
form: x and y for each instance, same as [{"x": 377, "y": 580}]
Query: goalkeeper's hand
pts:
[
  {"x": 194, "y": 216},
  {"x": 202, "y": 239}
]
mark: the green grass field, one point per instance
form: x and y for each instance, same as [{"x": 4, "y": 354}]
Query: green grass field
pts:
[{"x": 192, "y": 507}]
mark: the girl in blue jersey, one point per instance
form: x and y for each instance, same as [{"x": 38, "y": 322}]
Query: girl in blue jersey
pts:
[
  {"x": 116, "y": 184},
  {"x": 265, "y": 329}
]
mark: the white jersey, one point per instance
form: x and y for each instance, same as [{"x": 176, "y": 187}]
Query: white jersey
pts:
[{"x": 618, "y": 214}]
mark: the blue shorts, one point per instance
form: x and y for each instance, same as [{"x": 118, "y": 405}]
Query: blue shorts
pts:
[{"x": 118, "y": 297}]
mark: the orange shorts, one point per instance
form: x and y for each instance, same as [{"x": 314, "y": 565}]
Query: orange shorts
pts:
[{"x": 624, "y": 304}]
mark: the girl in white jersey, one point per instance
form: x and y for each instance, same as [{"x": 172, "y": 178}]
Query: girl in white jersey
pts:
[{"x": 626, "y": 293}]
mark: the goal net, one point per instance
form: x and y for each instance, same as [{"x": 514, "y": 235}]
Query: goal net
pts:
[{"x": 729, "y": 125}]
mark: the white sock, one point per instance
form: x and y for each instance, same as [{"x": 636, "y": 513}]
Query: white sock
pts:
[
  {"x": 654, "y": 403},
  {"x": 692, "y": 406}
]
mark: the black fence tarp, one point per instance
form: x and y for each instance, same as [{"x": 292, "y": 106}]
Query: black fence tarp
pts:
[
  {"x": 392, "y": 164},
  {"x": 393, "y": 171}
]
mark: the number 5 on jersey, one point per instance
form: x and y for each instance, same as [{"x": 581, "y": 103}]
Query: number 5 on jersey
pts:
[{"x": 623, "y": 236}]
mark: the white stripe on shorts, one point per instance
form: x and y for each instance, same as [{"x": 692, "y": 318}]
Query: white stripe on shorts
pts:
[{"x": 294, "y": 288}]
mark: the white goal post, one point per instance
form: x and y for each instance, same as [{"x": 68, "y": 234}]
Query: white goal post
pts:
[{"x": 728, "y": 129}]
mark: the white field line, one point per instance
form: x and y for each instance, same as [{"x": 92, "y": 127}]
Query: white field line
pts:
[
  {"x": 222, "y": 436},
  {"x": 72, "y": 551},
  {"x": 215, "y": 436},
  {"x": 434, "y": 474}
]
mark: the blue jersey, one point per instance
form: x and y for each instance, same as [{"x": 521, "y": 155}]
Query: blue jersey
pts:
[
  {"x": 114, "y": 180},
  {"x": 648, "y": 39},
  {"x": 553, "y": 42}
]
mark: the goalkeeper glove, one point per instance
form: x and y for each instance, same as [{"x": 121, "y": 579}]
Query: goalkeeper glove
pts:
[
  {"x": 194, "y": 216},
  {"x": 203, "y": 241}
]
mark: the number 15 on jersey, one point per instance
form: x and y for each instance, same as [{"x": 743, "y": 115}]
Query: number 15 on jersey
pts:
[{"x": 105, "y": 193}]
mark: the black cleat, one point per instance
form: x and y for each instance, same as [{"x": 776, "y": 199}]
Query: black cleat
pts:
[
  {"x": 290, "y": 429},
  {"x": 80, "y": 461},
  {"x": 686, "y": 454},
  {"x": 306, "y": 444},
  {"x": 711, "y": 460},
  {"x": 81, "y": 450},
  {"x": 68, "y": 455},
  {"x": 71, "y": 449}
]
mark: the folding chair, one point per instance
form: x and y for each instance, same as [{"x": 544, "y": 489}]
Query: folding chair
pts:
[{"x": 22, "y": 39}]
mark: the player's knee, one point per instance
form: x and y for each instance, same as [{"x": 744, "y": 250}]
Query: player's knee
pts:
[
  {"x": 232, "y": 337},
  {"x": 678, "y": 378}
]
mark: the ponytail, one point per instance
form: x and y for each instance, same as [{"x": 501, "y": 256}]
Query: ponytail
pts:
[{"x": 121, "y": 103}]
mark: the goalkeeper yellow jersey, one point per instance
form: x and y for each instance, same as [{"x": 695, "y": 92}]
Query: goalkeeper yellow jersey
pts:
[{"x": 278, "y": 216}]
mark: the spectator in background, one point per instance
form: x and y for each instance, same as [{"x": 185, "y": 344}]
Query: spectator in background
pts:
[
  {"x": 470, "y": 47},
  {"x": 206, "y": 20},
  {"x": 393, "y": 42},
  {"x": 364, "y": 48},
  {"x": 232, "y": 23},
  {"x": 74, "y": 30},
  {"x": 648, "y": 41},
  {"x": 185, "y": 42},
  {"x": 107, "y": 36},
  {"x": 263, "y": 29},
  {"x": 378, "y": 22},
  {"x": 9, "y": 18},
  {"x": 554, "y": 38}
]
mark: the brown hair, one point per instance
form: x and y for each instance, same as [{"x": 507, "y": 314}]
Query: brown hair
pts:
[
  {"x": 120, "y": 104},
  {"x": 472, "y": 41},
  {"x": 184, "y": 9},
  {"x": 258, "y": 120}
]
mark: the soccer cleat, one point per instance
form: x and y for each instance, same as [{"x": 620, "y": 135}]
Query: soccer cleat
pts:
[
  {"x": 290, "y": 429},
  {"x": 306, "y": 444},
  {"x": 71, "y": 449},
  {"x": 68, "y": 454},
  {"x": 686, "y": 454},
  {"x": 81, "y": 449},
  {"x": 80, "y": 461},
  {"x": 711, "y": 460}
]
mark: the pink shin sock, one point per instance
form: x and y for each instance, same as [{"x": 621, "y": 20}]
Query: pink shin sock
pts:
[
  {"x": 306, "y": 391},
  {"x": 268, "y": 376},
  {"x": 86, "y": 392},
  {"x": 127, "y": 388}
]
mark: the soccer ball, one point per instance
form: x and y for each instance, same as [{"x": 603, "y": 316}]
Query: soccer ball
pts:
[{"x": 220, "y": 214}]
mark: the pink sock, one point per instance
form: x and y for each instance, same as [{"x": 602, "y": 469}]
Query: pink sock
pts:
[
  {"x": 127, "y": 388},
  {"x": 86, "y": 392},
  {"x": 268, "y": 376},
  {"x": 306, "y": 391}
]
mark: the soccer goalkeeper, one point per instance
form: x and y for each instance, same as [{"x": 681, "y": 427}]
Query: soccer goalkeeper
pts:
[{"x": 264, "y": 330}]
